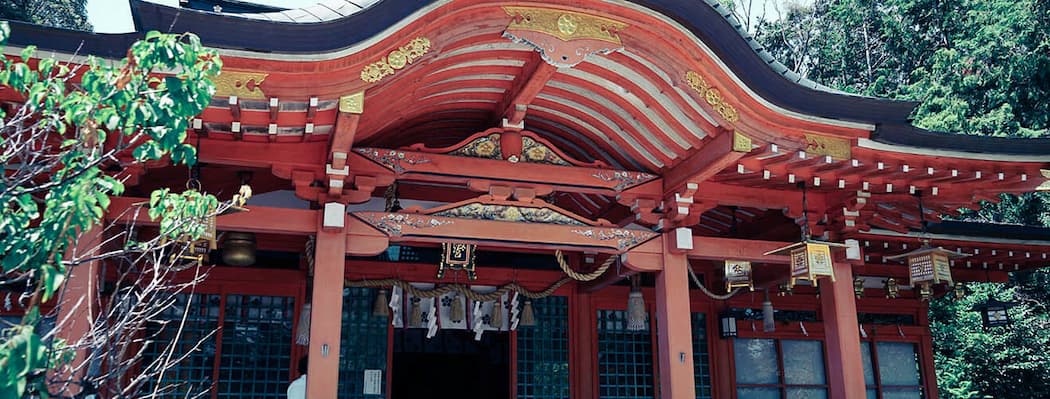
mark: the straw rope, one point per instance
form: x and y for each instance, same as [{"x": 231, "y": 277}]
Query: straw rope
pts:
[
  {"x": 460, "y": 288},
  {"x": 707, "y": 292},
  {"x": 581, "y": 276}
]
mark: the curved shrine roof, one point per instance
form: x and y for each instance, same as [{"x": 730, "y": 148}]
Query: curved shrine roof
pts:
[{"x": 334, "y": 25}]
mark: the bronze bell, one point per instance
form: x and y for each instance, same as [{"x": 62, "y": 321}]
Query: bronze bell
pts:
[{"x": 239, "y": 249}]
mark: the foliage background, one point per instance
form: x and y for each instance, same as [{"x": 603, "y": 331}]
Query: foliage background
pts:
[
  {"x": 977, "y": 67},
  {"x": 70, "y": 14}
]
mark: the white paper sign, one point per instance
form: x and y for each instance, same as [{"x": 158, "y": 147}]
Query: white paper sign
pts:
[{"x": 373, "y": 382}]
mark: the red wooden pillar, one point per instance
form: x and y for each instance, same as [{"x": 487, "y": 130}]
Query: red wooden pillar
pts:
[
  {"x": 674, "y": 329},
  {"x": 322, "y": 378},
  {"x": 722, "y": 372},
  {"x": 583, "y": 357},
  {"x": 929, "y": 370},
  {"x": 77, "y": 306},
  {"x": 839, "y": 308}
]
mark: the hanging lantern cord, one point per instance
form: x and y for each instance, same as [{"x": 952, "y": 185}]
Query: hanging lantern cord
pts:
[
  {"x": 194, "y": 182},
  {"x": 805, "y": 212},
  {"x": 922, "y": 215},
  {"x": 696, "y": 280},
  {"x": 732, "y": 228}
]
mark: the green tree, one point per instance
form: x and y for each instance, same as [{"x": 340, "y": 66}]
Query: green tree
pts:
[
  {"x": 1006, "y": 362},
  {"x": 58, "y": 149},
  {"x": 977, "y": 67},
  {"x": 70, "y": 14}
]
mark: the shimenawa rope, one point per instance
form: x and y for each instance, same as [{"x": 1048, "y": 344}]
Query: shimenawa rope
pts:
[
  {"x": 581, "y": 276},
  {"x": 460, "y": 288},
  {"x": 696, "y": 281}
]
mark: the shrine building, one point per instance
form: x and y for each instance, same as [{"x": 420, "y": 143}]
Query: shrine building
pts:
[{"x": 562, "y": 199}]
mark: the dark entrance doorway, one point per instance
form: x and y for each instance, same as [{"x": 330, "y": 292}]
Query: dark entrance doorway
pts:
[{"x": 450, "y": 365}]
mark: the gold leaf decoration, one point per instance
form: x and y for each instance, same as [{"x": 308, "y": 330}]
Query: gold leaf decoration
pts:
[
  {"x": 565, "y": 25},
  {"x": 823, "y": 145},
  {"x": 240, "y": 84},
  {"x": 352, "y": 103},
  {"x": 712, "y": 96},
  {"x": 396, "y": 60},
  {"x": 741, "y": 143}
]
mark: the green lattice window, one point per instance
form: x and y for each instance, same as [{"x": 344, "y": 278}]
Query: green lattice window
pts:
[
  {"x": 897, "y": 365},
  {"x": 194, "y": 374},
  {"x": 543, "y": 351},
  {"x": 363, "y": 345},
  {"x": 775, "y": 369},
  {"x": 256, "y": 346},
  {"x": 701, "y": 360},
  {"x": 625, "y": 358}
]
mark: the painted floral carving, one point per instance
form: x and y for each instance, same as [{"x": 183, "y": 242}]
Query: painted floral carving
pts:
[
  {"x": 508, "y": 213},
  {"x": 623, "y": 179},
  {"x": 393, "y": 223},
  {"x": 624, "y": 238},
  {"x": 536, "y": 152},
  {"x": 482, "y": 147},
  {"x": 392, "y": 159}
]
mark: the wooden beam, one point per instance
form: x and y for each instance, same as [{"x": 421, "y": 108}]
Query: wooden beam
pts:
[
  {"x": 714, "y": 248},
  {"x": 308, "y": 156},
  {"x": 405, "y": 227},
  {"x": 449, "y": 169},
  {"x": 259, "y": 219},
  {"x": 713, "y": 157},
  {"x": 900, "y": 272},
  {"x": 342, "y": 139},
  {"x": 534, "y": 76}
]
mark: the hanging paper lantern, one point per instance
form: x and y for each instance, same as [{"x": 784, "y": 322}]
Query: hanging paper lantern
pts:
[
  {"x": 727, "y": 324},
  {"x": 994, "y": 313},
  {"x": 458, "y": 256},
  {"x": 959, "y": 289},
  {"x": 810, "y": 260},
  {"x": 928, "y": 265},
  {"x": 738, "y": 275}
]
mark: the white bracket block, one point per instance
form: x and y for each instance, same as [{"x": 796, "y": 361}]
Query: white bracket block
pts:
[
  {"x": 345, "y": 171},
  {"x": 852, "y": 249},
  {"x": 683, "y": 238},
  {"x": 334, "y": 216},
  {"x": 507, "y": 125}
]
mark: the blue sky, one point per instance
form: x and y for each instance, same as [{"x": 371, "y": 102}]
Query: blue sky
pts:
[{"x": 114, "y": 16}]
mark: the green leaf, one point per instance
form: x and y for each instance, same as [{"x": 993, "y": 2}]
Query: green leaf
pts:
[
  {"x": 51, "y": 278},
  {"x": 27, "y": 52}
]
